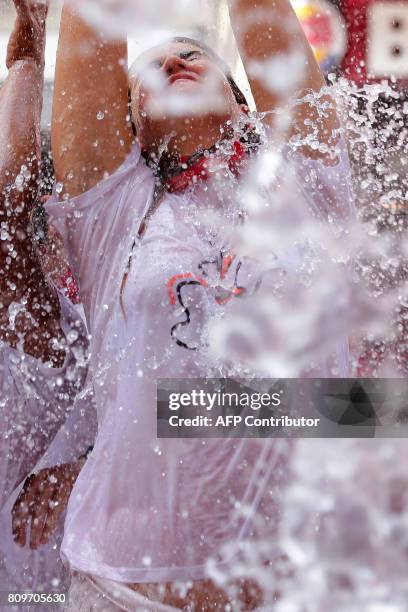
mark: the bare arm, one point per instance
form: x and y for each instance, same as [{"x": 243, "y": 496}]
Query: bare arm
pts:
[
  {"x": 90, "y": 131},
  {"x": 29, "y": 309},
  {"x": 41, "y": 502},
  {"x": 281, "y": 66}
]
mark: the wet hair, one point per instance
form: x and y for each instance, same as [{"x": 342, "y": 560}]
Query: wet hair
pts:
[{"x": 238, "y": 94}]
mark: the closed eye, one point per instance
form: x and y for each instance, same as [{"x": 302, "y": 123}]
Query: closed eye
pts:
[
  {"x": 189, "y": 55},
  {"x": 183, "y": 55}
]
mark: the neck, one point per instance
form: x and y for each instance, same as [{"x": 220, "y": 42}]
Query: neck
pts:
[{"x": 184, "y": 137}]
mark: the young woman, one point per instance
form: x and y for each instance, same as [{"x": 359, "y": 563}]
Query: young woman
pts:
[
  {"x": 43, "y": 349},
  {"x": 145, "y": 513}
]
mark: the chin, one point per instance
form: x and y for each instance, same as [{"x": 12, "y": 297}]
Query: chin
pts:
[{"x": 184, "y": 84}]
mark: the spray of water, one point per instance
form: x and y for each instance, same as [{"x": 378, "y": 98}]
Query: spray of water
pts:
[{"x": 319, "y": 265}]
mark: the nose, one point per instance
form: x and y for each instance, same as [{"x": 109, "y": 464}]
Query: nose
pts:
[{"x": 172, "y": 64}]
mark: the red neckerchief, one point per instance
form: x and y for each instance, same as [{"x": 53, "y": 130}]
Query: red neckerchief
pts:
[
  {"x": 198, "y": 170},
  {"x": 175, "y": 173}
]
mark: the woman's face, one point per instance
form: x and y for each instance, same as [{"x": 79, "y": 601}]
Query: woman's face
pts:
[{"x": 178, "y": 81}]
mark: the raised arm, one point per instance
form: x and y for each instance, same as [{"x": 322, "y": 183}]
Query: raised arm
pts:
[
  {"x": 29, "y": 308},
  {"x": 91, "y": 134},
  {"x": 281, "y": 67}
]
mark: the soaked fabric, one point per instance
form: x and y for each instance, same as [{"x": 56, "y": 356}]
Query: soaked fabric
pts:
[
  {"x": 90, "y": 593},
  {"x": 42, "y": 569},
  {"x": 35, "y": 399},
  {"x": 87, "y": 594},
  {"x": 143, "y": 509}
]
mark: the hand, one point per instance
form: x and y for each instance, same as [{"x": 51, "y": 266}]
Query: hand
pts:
[
  {"x": 41, "y": 502},
  {"x": 27, "y": 40}
]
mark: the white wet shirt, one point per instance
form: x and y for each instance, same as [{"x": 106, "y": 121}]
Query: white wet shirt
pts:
[
  {"x": 143, "y": 509},
  {"x": 35, "y": 399}
]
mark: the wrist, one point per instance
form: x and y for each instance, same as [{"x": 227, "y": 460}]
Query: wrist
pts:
[
  {"x": 20, "y": 62},
  {"x": 26, "y": 51},
  {"x": 27, "y": 42}
]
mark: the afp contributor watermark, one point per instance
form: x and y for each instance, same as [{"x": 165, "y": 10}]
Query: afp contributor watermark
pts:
[
  {"x": 214, "y": 402},
  {"x": 338, "y": 408}
]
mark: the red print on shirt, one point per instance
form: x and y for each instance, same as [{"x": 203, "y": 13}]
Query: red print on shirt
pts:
[{"x": 212, "y": 277}]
